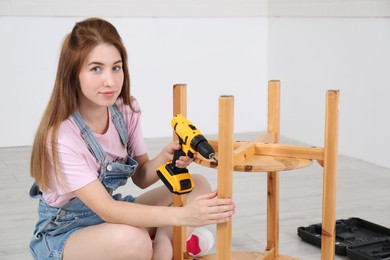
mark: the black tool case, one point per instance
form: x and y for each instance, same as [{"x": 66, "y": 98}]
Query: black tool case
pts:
[
  {"x": 375, "y": 250},
  {"x": 357, "y": 238}
]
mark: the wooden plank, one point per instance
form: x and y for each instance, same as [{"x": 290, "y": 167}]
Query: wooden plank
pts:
[
  {"x": 225, "y": 172},
  {"x": 243, "y": 152},
  {"x": 274, "y": 109},
  {"x": 180, "y": 99},
  {"x": 295, "y": 151},
  {"x": 262, "y": 163},
  {"x": 273, "y": 177},
  {"x": 330, "y": 174},
  {"x": 179, "y": 233}
]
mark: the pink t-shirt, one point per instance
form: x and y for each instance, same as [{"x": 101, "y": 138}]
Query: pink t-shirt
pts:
[{"x": 78, "y": 166}]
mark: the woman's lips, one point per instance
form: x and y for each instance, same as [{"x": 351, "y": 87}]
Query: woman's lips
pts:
[{"x": 108, "y": 93}]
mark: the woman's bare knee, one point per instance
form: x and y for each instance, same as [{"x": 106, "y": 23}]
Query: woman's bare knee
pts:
[
  {"x": 133, "y": 242},
  {"x": 110, "y": 241}
]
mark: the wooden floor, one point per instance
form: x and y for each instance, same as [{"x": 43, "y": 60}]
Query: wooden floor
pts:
[{"x": 363, "y": 190}]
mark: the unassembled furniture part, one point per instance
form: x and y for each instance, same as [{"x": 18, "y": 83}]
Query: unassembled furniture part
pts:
[{"x": 266, "y": 154}]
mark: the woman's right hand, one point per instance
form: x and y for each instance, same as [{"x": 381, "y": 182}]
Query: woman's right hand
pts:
[{"x": 208, "y": 209}]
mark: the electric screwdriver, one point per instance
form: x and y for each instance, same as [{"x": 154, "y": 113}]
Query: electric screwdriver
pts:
[{"x": 192, "y": 141}]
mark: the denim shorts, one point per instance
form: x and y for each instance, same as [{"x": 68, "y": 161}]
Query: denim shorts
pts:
[{"x": 55, "y": 225}]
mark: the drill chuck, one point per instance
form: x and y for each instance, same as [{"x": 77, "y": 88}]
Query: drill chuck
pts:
[{"x": 200, "y": 144}]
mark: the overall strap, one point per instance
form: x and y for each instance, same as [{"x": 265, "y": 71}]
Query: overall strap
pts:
[
  {"x": 86, "y": 133},
  {"x": 120, "y": 124}
]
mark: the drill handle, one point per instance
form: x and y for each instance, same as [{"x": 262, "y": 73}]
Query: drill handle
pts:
[
  {"x": 181, "y": 151},
  {"x": 177, "y": 155}
]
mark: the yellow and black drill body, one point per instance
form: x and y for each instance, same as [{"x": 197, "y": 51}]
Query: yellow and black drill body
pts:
[{"x": 178, "y": 180}]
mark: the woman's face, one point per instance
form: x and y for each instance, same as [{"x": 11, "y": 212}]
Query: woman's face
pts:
[{"x": 101, "y": 77}]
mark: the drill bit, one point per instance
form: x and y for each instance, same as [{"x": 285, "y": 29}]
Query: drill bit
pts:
[{"x": 212, "y": 157}]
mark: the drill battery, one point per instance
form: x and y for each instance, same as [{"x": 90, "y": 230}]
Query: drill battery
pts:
[{"x": 177, "y": 180}]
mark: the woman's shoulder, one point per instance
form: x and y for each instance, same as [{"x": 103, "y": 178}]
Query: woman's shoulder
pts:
[
  {"x": 69, "y": 133},
  {"x": 68, "y": 126}
]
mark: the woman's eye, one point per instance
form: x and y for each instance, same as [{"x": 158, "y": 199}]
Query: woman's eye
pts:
[
  {"x": 116, "y": 68},
  {"x": 96, "y": 69}
]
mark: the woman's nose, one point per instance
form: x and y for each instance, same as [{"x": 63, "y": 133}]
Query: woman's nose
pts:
[{"x": 108, "y": 79}]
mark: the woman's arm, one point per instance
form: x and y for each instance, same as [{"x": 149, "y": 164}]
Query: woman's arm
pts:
[{"x": 203, "y": 210}]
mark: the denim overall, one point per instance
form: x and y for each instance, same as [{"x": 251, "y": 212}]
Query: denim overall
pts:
[{"x": 55, "y": 225}]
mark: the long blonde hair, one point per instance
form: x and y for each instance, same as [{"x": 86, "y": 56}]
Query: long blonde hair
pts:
[{"x": 64, "y": 99}]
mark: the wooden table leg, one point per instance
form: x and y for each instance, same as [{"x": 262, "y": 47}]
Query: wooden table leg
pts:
[
  {"x": 273, "y": 177},
  {"x": 329, "y": 176},
  {"x": 225, "y": 172},
  {"x": 179, "y": 233}
]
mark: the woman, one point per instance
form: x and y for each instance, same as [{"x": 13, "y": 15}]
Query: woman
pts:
[{"x": 89, "y": 142}]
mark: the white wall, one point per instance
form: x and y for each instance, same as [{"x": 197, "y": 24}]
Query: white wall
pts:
[
  {"x": 196, "y": 8},
  {"x": 311, "y": 55},
  {"x": 313, "y": 46},
  {"x": 135, "y": 8},
  {"x": 213, "y": 56}
]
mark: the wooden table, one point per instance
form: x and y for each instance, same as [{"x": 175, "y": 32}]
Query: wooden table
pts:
[{"x": 266, "y": 154}]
